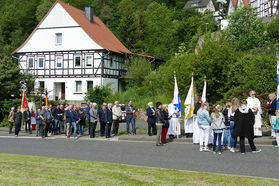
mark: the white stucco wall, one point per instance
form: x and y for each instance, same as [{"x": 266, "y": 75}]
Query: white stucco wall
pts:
[
  {"x": 52, "y": 85},
  {"x": 73, "y": 36},
  {"x": 113, "y": 82}
]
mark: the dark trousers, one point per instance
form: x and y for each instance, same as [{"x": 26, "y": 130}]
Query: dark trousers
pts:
[
  {"x": 108, "y": 129},
  {"x": 102, "y": 128},
  {"x": 27, "y": 124},
  {"x": 17, "y": 128},
  {"x": 43, "y": 132},
  {"x": 115, "y": 127},
  {"x": 11, "y": 127},
  {"x": 152, "y": 126},
  {"x": 47, "y": 128},
  {"x": 92, "y": 127},
  {"x": 242, "y": 144},
  {"x": 219, "y": 137}
]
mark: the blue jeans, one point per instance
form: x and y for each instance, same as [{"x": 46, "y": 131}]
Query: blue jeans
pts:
[
  {"x": 130, "y": 119},
  {"x": 81, "y": 129},
  {"x": 232, "y": 140},
  {"x": 56, "y": 126},
  {"x": 74, "y": 124},
  {"x": 219, "y": 136},
  {"x": 227, "y": 136}
]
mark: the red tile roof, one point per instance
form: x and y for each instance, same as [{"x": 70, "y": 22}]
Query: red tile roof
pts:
[{"x": 97, "y": 30}]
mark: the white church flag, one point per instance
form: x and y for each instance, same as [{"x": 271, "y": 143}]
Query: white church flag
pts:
[
  {"x": 203, "y": 98},
  {"x": 176, "y": 99},
  {"x": 189, "y": 109}
]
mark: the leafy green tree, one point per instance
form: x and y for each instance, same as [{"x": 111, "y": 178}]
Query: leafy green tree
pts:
[
  {"x": 246, "y": 29},
  {"x": 273, "y": 30},
  {"x": 159, "y": 28},
  {"x": 137, "y": 69},
  {"x": 98, "y": 94}
]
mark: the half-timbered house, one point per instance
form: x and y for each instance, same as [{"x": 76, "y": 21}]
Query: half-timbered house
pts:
[{"x": 71, "y": 51}]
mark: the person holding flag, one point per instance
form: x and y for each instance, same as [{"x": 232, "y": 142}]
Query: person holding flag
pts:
[
  {"x": 175, "y": 113},
  {"x": 189, "y": 111}
]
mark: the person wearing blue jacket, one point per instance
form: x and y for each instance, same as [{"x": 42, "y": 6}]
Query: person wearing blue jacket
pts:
[
  {"x": 151, "y": 120},
  {"x": 204, "y": 125},
  {"x": 109, "y": 120},
  {"x": 68, "y": 114},
  {"x": 75, "y": 120},
  {"x": 27, "y": 120},
  {"x": 103, "y": 119}
]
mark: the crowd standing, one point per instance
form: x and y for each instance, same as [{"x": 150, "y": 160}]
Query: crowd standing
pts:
[{"x": 219, "y": 127}]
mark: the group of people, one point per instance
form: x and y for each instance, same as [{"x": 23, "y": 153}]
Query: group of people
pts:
[{"x": 70, "y": 120}]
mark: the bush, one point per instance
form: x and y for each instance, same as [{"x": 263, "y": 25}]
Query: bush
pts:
[{"x": 98, "y": 94}]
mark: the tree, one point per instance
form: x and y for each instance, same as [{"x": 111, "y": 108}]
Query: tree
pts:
[
  {"x": 246, "y": 29},
  {"x": 159, "y": 27},
  {"x": 272, "y": 30},
  {"x": 137, "y": 69},
  {"x": 98, "y": 94}
]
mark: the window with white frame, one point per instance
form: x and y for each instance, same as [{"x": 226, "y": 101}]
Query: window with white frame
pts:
[
  {"x": 89, "y": 85},
  {"x": 58, "y": 38},
  {"x": 31, "y": 62},
  {"x": 59, "y": 61},
  {"x": 78, "y": 87},
  {"x": 77, "y": 61},
  {"x": 40, "y": 62},
  {"x": 89, "y": 60}
]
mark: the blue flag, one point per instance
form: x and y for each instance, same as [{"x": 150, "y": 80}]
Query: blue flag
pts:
[{"x": 176, "y": 99}]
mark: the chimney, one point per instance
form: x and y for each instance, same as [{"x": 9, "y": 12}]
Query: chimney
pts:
[{"x": 88, "y": 12}]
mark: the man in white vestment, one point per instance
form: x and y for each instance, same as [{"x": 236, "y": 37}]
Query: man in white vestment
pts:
[
  {"x": 174, "y": 122},
  {"x": 255, "y": 105}
]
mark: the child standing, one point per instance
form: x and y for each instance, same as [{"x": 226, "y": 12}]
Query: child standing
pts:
[
  {"x": 275, "y": 123},
  {"x": 218, "y": 125}
]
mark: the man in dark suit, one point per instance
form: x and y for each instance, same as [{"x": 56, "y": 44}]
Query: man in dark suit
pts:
[
  {"x": 27, "y": 120},
  {"x": 103, "y": 119},
  {"x": 109, "y": 120},
  {"x": 68, "y": 114},
  {"x": 151, "y": 120}
]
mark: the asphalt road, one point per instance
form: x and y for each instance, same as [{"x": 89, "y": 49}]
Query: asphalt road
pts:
[{"x": 172, "y": 155}]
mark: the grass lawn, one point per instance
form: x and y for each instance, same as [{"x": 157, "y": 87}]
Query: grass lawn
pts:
[{"x": 32, "y": 170}]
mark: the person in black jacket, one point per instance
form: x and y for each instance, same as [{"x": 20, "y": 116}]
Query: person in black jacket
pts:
[
  {"x": 227, "y": 124},
  {"x": 27, "y": 120},
  {"x": 109, "y": 120},
  {"x": 151, "y": 120},
  {"x": 103, "y": 119},
  {"x": 17, "y": 119},
  {"x": 166, "y": 125},
  {"x": 271, "y": 111},
  {"x": 160, "y": 121},
  {"x": 81, "y": 124},
  {"x": 244, "y": 120}
]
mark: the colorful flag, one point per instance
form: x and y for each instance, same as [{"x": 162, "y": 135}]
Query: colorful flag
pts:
[
  {"x": 189, "y": 101},
  {"x": 176, "y": 99},
  {"x": 203, "y": 98},
  {"x": 24, "y": 103},
  {"x": 277, "y": 103}
]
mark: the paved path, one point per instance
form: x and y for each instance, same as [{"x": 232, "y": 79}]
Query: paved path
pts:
[{"x": 172, "y": 155}]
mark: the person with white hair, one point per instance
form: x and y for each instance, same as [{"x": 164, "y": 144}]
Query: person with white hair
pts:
[
  {"x": 151, "y": 120},
  {"x": 116, "y": 113},
  {"x": 255, "y": 105},
  {"x": 11, "y": 119},
  {"x": 109, "y": 120},
  {"x": 94, "y": 117}
]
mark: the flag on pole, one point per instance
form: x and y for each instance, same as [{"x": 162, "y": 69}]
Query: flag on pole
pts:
[
  {"x": 24, "y": 103},
  {"x": 46, "y": 102},
  {"x": 277, "y": 102},
  {"x": 189, "y": 101},
  {"x": 189, "y": 109},
  {"x": 203, "y": 98},
  {"x": 176, "y": 99}
]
